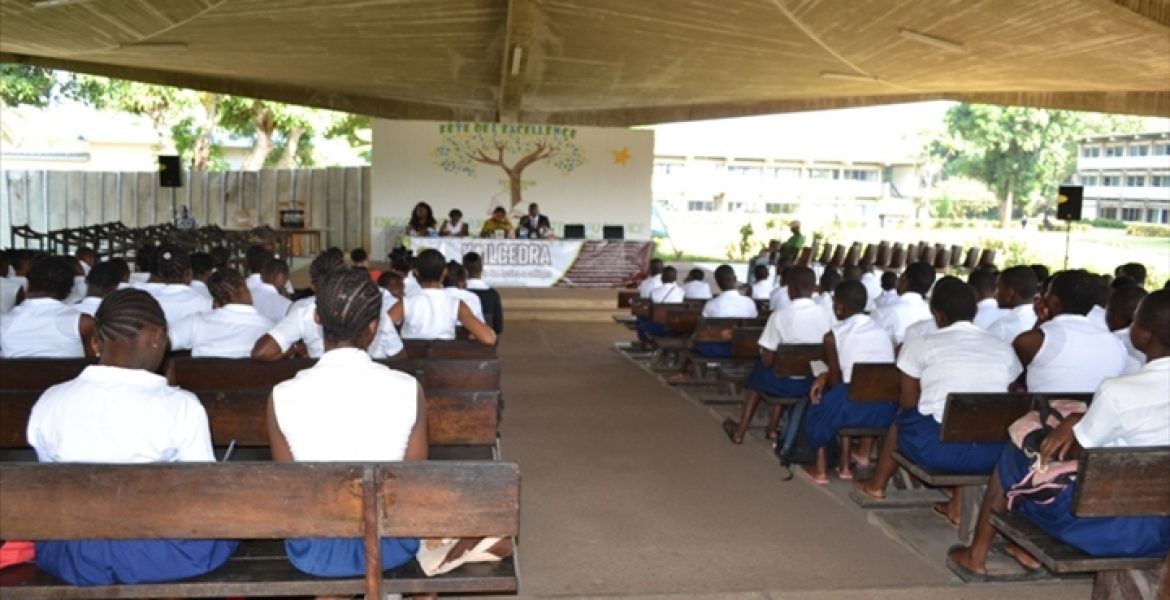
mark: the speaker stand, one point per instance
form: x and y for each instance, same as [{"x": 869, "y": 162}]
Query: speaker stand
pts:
[{"x": 1067, "y": 239}]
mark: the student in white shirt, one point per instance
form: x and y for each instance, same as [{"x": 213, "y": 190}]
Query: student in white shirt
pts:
[
  {"x": 299, "y": 332},
  {"x": 873, "y": 285},
  {"x": 202, "y": 266},
  {"x": 455, "y": 285},
  {"x": 1067, "y": 353},
  {"x": 667, "y": 293},
  {"x": 473, "y": 262},
  {"x": 349, "y": 408},
  {"x": 853, "y": 338},
  {"x": 780, "y": 298},
  {"x": 1123, "y": 303},
  {"x": 911, "y": 306},
  {"x": 694, "y": 288},
  {"x": 653, "y": 281},
  {"x": 9, "y": 287},
  {"x": 15, "y": 279},
  {"x": 987, "y": 310},
  {"x": 830, "y": 279},
  {"x": 228, "y": 331},
  {"x": 889, "y": 293},
  {"x": 78, "y": 291},
  {"x": 959, "y": 357},
  {"x": 1130, "y": 411},
  {"x": 168, "y": 284},
  {"x": 102, "y": 280},
  {"x": 267, "y": 294},
  {"x": 762, "y": 287},
  {"x": 729, "y": 304},
  {"x": 801, "y": 322},
  {"x": 43, "y": 326},
  {"x": 431, "y": 314},
  {"x": 121, "y": 412},
  {"x": 1014, "y": 291}
]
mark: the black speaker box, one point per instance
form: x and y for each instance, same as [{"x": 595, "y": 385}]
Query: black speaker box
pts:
[
  {"x": 1068, "y": 202},
  {"x": 170, "y": 172}
]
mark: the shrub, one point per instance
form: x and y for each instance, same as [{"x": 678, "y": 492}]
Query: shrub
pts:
[
  {"x": 1107, "y": 223},
  {"x": 1147, "y": 230},
  {"x": 1009, "y": 253}
]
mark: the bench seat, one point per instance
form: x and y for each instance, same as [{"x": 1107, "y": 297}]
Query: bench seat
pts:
[
  {"x": 1057, "y": 556},
  {"x": 935, "y": 478}
]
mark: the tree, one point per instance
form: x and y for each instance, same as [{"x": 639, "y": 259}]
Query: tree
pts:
[
  {"x": 465, "y": 146},
  {"x": 1018, "y": 152}
]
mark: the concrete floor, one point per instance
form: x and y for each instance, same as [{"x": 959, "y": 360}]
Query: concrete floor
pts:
[{"x": 632, "y": 490}]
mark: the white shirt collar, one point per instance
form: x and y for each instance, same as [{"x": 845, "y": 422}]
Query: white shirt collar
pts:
[{"x": 343, "y": 356}]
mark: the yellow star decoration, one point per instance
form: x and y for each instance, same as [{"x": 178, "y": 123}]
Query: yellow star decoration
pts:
[{"x": 621, "y": 157}]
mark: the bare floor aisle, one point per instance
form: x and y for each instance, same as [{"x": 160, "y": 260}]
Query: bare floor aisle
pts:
[{"x": 630, "y": 489}]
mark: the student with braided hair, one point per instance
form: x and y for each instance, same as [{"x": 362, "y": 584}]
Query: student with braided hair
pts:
[
  {"x": 349, "y": 408},
  {"x": 229, "y": 331},
  {"x": 43, "y": 325},
  {"x": 121, "y": 412},
  {"x": 267, "y": 294},
  {"x": 169, "y": 284},
  {"x": 300, "y": 325}
]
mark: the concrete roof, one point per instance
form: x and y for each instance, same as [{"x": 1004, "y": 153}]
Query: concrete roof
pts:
[{"x": 614, "y": 62}]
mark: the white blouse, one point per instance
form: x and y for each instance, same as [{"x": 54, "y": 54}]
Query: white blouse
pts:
[{"x": 41, "y": 328}]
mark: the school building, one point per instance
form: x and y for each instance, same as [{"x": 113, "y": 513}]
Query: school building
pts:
[{"x": 1126, "y": 177}]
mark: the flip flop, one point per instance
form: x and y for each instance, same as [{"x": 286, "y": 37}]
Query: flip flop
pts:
[
  {"x": 845, "y": 475},
  {"x": 730, "y": 428},
  {"x": 940, "y": 509},
  {"x": 431, "y": 558},
  {"x": 822, "y": 480},
  {"x": 860, "y": 487},
  {"x": 964, "y": 573}
]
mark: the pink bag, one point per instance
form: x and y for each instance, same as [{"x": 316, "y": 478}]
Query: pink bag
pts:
[
  {"x": 1042, "y": 485},
  {"x": 1029, "y": 423}
]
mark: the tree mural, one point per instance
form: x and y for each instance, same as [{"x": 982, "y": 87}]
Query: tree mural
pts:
[{"x": 512, "y": 148}]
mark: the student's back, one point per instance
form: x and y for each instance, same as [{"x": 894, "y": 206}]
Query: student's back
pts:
[
  {"x": 430, "y": 314},
  {"x": 228, "y": 331},
  {"x": 43, "y": 326},
  {"x": 168, "y": 285}
]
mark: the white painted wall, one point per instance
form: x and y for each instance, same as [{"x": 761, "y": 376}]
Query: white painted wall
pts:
[{"x": 408, "y": 167}]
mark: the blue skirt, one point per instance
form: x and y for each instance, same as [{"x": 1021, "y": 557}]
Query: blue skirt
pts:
[
  {"x": 764, "y": 380},
  {"x": 918, "y": 440},
  {"x": 109, "y": 562},
  {"x": 345, "y": 557},
  {"x": 647, "y": 329},
  {"x": 835, "y": 411},
  {"x": 1097, "y": 536},
  {"x": 713, "y": 349}
]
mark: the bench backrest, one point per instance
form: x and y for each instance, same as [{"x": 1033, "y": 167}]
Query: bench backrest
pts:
[
  {"x": 875, "y": 382},
  {"x": 447, "y": 349},
  {"x": 640, "y": 307},
  {"x": 261, "y": 501},
  {"x": 791, "y": 360},
  {"x": 745, "y": 341},
  {"x": 39, "y": 373},
  {"x": 658, "y": 311},
  {"x": 1117, "y": 482},
  {"x": 683, "y": 320},
  {"x": 626, "y": 297},
  {"x": 986, "y": 417}
]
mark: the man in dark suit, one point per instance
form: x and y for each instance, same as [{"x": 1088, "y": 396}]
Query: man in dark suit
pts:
[{"x": 534, "y": 225}]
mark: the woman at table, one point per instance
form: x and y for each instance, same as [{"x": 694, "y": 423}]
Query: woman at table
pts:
[
  {"x": 121, "y": 412},
  {"x": 422, "y": 221},
  {"x": 499, "y": 226},
  {"x": 454, "y": 226}
]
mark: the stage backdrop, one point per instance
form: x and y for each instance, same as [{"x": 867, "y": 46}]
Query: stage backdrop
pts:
[{"x": 593, "y": 176}]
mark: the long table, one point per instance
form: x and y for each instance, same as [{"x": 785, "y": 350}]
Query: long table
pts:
[{"x": 545, "y": 263}]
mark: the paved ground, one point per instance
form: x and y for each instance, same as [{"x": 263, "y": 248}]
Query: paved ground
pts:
[{"x": 630, "y": 489}]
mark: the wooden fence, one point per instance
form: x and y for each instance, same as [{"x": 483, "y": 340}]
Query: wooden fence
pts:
[{"x": 335, "y": 200}]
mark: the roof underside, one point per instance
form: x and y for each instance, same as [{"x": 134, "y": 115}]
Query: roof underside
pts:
[{"x": 614, "y": 62}]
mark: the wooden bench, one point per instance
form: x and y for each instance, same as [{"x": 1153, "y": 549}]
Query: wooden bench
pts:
[
  {"x": 1111, "y": 482},
  {"x": 626, "y": 299},
  {"x": 680, "y": 320},
  {"x": 731, "y": 373},
  {"x": 872, "y": 382},
  {"x": 792, "y": 360},
  {"x": 263, "y": 502},
  {"x": 441, "y": 349}
]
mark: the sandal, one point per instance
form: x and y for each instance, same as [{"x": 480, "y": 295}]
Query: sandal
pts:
[
  {"x": 940, "y": 509},
  {"x": 731, "y": 428},
  {"x": 860, "y": 486},
  {"x": 821, "y": 479}
]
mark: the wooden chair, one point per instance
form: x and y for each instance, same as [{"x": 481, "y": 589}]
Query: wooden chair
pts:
[
  {"x": 826, "y": 254},
  {"x": 263, "y": 503},
  {"x": 883, "y": 255},
  {"x": 972, "y": 259},
  {"x": 872, "y": 382}
]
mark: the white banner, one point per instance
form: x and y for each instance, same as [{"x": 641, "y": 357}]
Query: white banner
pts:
[{"x": 510, "y": 263}]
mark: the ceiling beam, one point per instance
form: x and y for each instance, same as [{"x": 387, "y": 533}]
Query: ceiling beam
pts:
[
  {"x": 387, "y": 108},
  {"x": 516, "y": 55}
]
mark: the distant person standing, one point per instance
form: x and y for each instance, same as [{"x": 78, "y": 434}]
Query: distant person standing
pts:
[
  {"x": 792, "y": 246},
  {"x": 534, "y": 225}
]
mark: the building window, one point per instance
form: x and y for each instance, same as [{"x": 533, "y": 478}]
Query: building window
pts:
[
  {"x": 785, "y": 173},
  {"x": 1089, "y": 180},
  {"x": 1111, "y": 151},
  {"x": 1107, "y": 213},
  {"x": 1091, "y": 151},
  {"x": 1139, "y": 150},
  {"x": 1131, "y": 214},
  {"x": 1111, "y": 180},
  {"x": 780, "y": 208},
  {"x": 663, "y": 168},
  {"x": 824, "y": 174},
  {"x": 700, "y": 205},
  {"x": 1161, "y": 150},
  {"x": 859, "y": 175},
  {"x": 745, "y": 170},
  {"x": 1135, "y": 181},
  {"x": 1155, "y": 215},
  {"x": 1160, "y": 180}
]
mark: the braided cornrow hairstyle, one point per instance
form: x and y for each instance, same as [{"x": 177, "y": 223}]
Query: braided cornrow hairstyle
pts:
[
  {"x": 223, "y": 285},
  {"x": 324, "y": 265},
  {"x": 51, "y": 276},
  {"x": 171, "y": 263},
  {"x": 123, "y": 313},
  {"x": 347, "y": 302}
]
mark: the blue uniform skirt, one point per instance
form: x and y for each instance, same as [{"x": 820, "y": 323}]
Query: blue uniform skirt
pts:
[
  {"x": 647, "y": 328},
  {"x": 108, "y": 562},
  {"x": 1097, "y": 536},
  {"x": 764, "y": 380},
  {"x": 918, "y": 440},
  {"x": 345, "y": 557},
  {"x": 822, "y": 421},
  {"x": 714, "y": 349}
]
